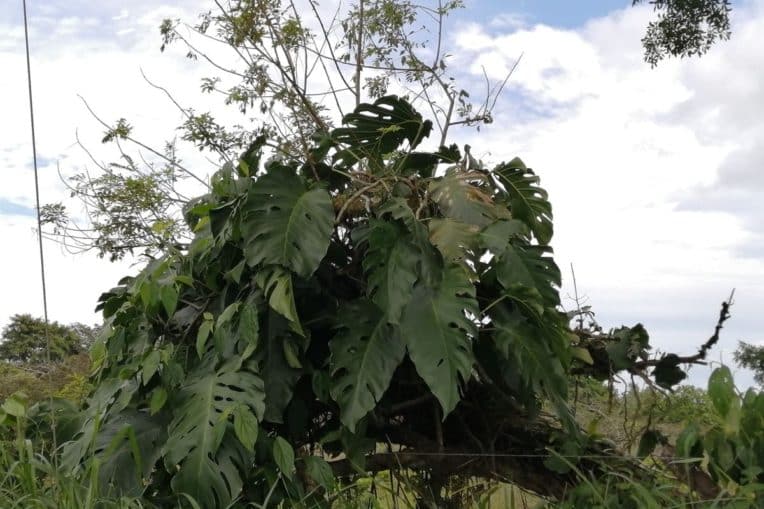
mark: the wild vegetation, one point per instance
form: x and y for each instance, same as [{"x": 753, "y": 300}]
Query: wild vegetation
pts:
[{"x": 348, "y": 318}]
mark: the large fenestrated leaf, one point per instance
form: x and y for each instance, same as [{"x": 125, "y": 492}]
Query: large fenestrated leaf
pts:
[
  {"x": 198, "y": 427},
  {"x": 286, "y": 222},
  {"x": 390, "y": 264},
  {"x": 430, "y": 260},
  {"x": 533, "y": 367},
  {"x": 530, "y": 266},
  {"x": 365, "y": 353},
  {"x": 527, "y": 200},
  {"x": 453, "y": 238},
  {"x": 380, "y": 128},
  {"x": 460, "y": 199},
  {"x": 128, "y": 446},
  {"x": 438, "y": 334}
]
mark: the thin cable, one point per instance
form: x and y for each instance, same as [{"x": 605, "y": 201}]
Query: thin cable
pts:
[{"x": 37, "y": 203}]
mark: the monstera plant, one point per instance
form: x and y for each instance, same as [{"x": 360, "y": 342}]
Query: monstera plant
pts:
[{"x": 348, "y": 312}]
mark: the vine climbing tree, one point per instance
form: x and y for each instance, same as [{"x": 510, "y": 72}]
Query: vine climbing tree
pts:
[{"x": 369, "y": 308}]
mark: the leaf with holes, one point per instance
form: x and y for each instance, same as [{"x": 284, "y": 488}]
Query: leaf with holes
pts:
[
  {"x": 287, "y": 222},
  {"x": 530, "y": 266},
  {"x": 365, "y": 353},
  {"x": 380, "y": 128},
  {"x": 532, "y": 366},
  {"x": 527, "y": 200},
  {"x": 438, "y": 334},
  {"x": 391, "y": 267},
  {"x": 199, "y": 424},
  {"x": 128, "y": 446}
]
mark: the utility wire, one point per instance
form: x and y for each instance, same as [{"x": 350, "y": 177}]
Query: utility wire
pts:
[{"x": 37, "y": 203}]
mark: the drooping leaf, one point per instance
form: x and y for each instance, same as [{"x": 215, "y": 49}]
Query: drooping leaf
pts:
[
  {"x": 528, "y": 201},
  {"x": 438, "y": 334},
  {"x": 158, "y": 399},
  {"x": 365, "y": 353},
  {"x": 463, "y": 201},
  {"x": 496, "y": 236},
  {"x": 283, "y": 455},
  {"x": 320, "y": 471},
  {"x": 245, "y": 426},
  {"x": 530, "y": 266},
  {"x": 150, "y": 365},
  {"x": 201, "y": 336},
  {"x": 430, "y": 260},
  {"x": 169, "y": 295},
  {"x": 198, "y": 427},
  {"x": 390, "y": 264},
  {"x": 286, "y": 222},
  {"x": 453, "y": 238},
  {"x": 277, "y": 285},
  {"x": 533, "y": 367}
]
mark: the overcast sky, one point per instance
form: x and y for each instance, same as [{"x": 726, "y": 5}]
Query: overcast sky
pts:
[{"x": 656, "y": 175}]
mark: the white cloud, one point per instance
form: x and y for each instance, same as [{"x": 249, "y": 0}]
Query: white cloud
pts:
[
  {"x": 620, "y": 146},
  {"x": 639, "y": 162}
]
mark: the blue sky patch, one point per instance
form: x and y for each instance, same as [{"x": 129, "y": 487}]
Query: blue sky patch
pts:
[
  {"x": 557, "y": 13},
  {"x": 10, "y": 208}
]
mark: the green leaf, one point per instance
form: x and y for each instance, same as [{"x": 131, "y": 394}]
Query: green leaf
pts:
[
  {"x": 430, "y": 260},
  {"x": 459, "y": 199},
  {"x": 438, "y": 334},
  {"x": 364, "y": 355},
  {"x": 286, "y": 222},
  {"x": 721, "y": 390},
  {"x": 201, "y": 336},
  {"x": 16, "y": 404},
  {"x": 150, "y": 365},
  {"x": 158, "y": 399},
  {"x": 198, "y": 426},
  {"x": 496, "y": 236},
  {"x": 380, "y": 128},
  {"x": 169, "y": 295},
  {"x": 390, "y": 264},
  {"x": 245, "y": 426},
  {"x": 320, "y": 471},
  {"x": 283, "y": 455},
  {"x": 525, "y": 343},
  {"x": 127, "y": 447},
  {"x": 227, "y": 314},
  {"x": 582, "y": 354},
  {"x": 277, "y": 285},
  {"x": 453, "y": 238},
  {"x": 249, "y": 326},
  {"x": 186, "y": 280},
  {"x": 686, "y": 441},
  {"x": 234, "y": 274},
  {"x": 530, "y": 266},
  {"x": 527, "y": 200}
]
